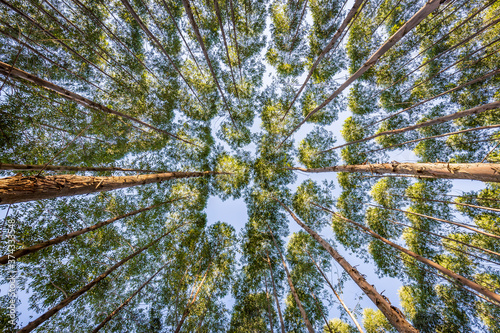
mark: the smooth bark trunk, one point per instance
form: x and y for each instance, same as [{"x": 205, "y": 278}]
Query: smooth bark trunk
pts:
[
  {"x": 276, "y": 295},
  {"x": 427, "y": 9},
  {"x": 292, "y": 288},
  {"x": 37, "y": 247},
  {"x": 21, "y": 189},
  {"x": 322, "y": 313},
  {"x": 392, "y": 313},
  {"x": 440, "y": 120},
  {"x": 452, "y": 203},
  {"x": 455, "y": 276},
  {"x": 268, "y": 308},
  {"x": 37, "y": 322},
  {"x": 473, "y": 171},
  {"x": 29, "y": 167},
  {"x": 124, "y": 304}
]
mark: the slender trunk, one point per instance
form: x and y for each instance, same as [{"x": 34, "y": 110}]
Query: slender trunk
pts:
[
  {"x": 19, "y": 74},
  {"x": 292, "y": 288},
  {"x": 275, "y": 294},
  {"x": 34, "y": 248},
  {"x": 440, "y": 120},
  {"x": 451, "y": 203},
  {"x": 20, "y": 189},
  {"x": 124, "y": 304},
  {"x": 189, "y": 12},
  {"x": 462, "y": 225},
  {"x": 235, "y": 37},
  {"x": 298, "y": 27},
  {"x": 221, "y": 26},
  {"x": 37, "y": 322},
  {"x": 322, "y": 314},
  {"x": 327, "y": 49},
  {"x": 336, "y": 294},
  {"x": 190, "y": 304},
  {"x": 426, "y": 261},
  {"x": 427, "y": 9},
  {"x": 392, "y": 313},
  {"x": 30, "y": 167},
  {"x": 268, "y": 308},
  {"x": 473, "y": 171},
  {"x": 476, "y": 80}
]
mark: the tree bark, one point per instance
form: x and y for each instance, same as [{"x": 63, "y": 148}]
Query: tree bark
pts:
[
  {"x": 20, "y": 74},
  {"x": 427, "y": 9},
  {"x": 37, "y": 322},
  {"x": 440, "y": 120},
  {"x": 21, "y": 189},
  {"x": 112, "y": 314},
  {"x": 276, "y": 295},
  {"x": 37, "y": 247},
  {"x": 29, "y": 167},
  {"x": 336, "y": 294},
  {"x": 392, "y": 313},
  {"x": 292, "y": 288},
  {"x": 473, "y": 171},
  {"x": 455, "y": 276}
]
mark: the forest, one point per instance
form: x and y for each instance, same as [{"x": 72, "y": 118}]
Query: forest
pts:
[{"x": 362, "y": 138}]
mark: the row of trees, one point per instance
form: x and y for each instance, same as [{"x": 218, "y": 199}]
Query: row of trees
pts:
[{"x": 93, "y": 91}]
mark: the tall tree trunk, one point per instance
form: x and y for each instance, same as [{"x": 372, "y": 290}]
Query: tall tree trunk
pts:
[
  {"x": 5, "y": 69},
  {"x": 450, "y": 202},
  {"x": 392, "y": 313},
  {"x": 292, "y": 288},
  {"x": 190, "y": 304},
  {"x": 37, "y": 322},
  {"x": 20, "y": 189},
  {"x": 322, "y": 313},
  {"x": 268, "y": 308},
  {"x": 358, "y": 326},
  {"x": 474, "y": 171},
  {"x": 29, "y": 167},
  {"x": 440, "y": 120},
  {"x": 37, "y": 247},
  {"x": 275, "y": 294},
  {"x": 427, "y": 9},
  {"x": 462, "y": 225},
  {"x": 426, "y": 261},
  {"x": 124, "y": 304}
]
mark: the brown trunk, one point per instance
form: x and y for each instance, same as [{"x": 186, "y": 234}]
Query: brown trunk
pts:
[
  {"x": 327, "y": 49},
  {"x": 474, "y": 171},
  {"x": 268, "y": 308},
  {"x": 37, "y": 322},
  {"x": 20, "y": 189},
  {"x": 34, "y": 248},
  {"x": 292, "y": 288},
  {"x": 235, "y": 37},
  {"x": 189, "y": 12},
  {"x": 298, "y": 27},
  {"x": 29, "y": 167},
  {"x": 426, "y": 261},
  {"x": 392, "y": 313},
  {"x": 451, "y": 203},
  {"x": 336, "y": 294},
  {"x": 276, "y": 295},
  {"x": 427, "y": 9},
  {"x": 322, "y": 314},
  {"x": 19, "y": 74},
  {"x": 440, "y": 120},
  {"x": 462, "y": 225},
  {"x": 124, "y": 304}
]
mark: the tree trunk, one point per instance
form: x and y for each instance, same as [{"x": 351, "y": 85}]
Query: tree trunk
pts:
[
  {"x": 29, "y": 167},
  {"x": 269, "y": 308},
  {"x": 112, "y": 314},
  {"x": 427, "y": 9},
  {"x": 322, "y": 314},
  {"x": 336, "y": 294},
  {"x": 473, "y": 171},
  {"x": 462, "y": 225},
  {"x": 34, "y": 248},
  {"x": 37, "y": 322},
  {"x": 276, "y": 295},
  {"x": 292, "y": 288},
  {"x": 449, "y": 202},
  {"x": 298, "y": 27},
  {"x": 440, "y": 120},
  {"x": 426, "y": 261},
  {"x": 20, "y": 189},
  {"x": 392, "y": 313},
  {"x": 327, "y": 49},
  {"x": 19, "y": 74}
]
